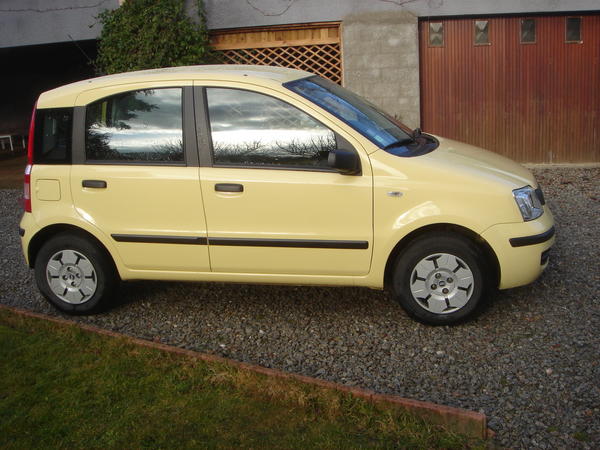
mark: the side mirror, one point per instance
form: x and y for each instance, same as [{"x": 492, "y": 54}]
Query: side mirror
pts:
[{"x": 346, "y": 162}]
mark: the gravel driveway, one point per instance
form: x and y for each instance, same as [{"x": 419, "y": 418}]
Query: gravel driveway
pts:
[{"x": 530, "y": 361}]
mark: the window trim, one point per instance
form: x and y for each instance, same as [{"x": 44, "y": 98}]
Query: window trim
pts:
[
  {"x": 205, "y": 140},
  {"x": 521, "y": 31},
  {"x": 580, "y": 41},
  {"x": 190, "y": 154},
  {"x": 489, "y": 42}
]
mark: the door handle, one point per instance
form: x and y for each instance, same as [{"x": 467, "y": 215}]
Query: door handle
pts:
[
  {"x": 98, "y": 184},
  {"x": 229, "y": 187}
]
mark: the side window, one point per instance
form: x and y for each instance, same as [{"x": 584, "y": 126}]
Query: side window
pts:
[
  {"x": 138, "y": 126},
  {"x": 52, "y": 141},
  {"x": 253, "y": 129}
]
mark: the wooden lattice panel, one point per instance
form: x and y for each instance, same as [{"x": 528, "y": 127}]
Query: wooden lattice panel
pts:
[
  {"x": 313, "y": 47},
  {"x": 324, "y": 60}
]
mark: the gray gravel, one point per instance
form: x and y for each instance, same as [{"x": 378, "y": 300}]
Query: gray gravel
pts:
[{"x": 530, "y": 361}]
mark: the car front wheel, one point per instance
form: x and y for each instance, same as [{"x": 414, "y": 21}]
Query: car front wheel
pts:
[{"x": 439, "y": 279}]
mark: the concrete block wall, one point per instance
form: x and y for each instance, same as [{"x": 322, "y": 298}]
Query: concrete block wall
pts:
[{"x": 381, "y": 61}]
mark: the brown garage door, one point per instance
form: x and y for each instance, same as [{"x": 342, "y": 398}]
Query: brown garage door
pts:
[
  {"x": 312, "y": 47},
  {"x": 525, "y": 87}
]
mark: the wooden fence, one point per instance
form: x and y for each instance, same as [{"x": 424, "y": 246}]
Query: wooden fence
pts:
[{"x": 314, "y": 47}]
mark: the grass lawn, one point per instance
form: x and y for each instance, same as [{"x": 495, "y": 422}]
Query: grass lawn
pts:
[
  {"x": 64, "y": 387},
  {"x": 11, "y": 171}
]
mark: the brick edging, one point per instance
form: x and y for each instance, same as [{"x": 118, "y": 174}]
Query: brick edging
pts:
[{"x": 470, "y": 423}]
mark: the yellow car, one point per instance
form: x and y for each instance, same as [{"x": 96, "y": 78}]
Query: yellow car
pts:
[{"x": 267, "y": 175}]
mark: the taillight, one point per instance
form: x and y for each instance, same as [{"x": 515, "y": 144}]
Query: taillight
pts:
[
  {"x": 27, "y": 189},
  {"x": 27, "y": 183}
]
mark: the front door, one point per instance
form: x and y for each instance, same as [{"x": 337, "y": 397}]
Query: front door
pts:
[{"x": 273, "y": 205}]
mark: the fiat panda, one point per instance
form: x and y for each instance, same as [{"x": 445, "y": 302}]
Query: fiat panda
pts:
[{"x": 267, "y": 175}]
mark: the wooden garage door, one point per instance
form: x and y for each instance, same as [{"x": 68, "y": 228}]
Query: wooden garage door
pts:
[
  {"x": 531, "y": 91},
  {"x": 312, "y": 47}
]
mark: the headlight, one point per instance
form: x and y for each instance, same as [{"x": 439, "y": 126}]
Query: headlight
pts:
[{"x": 528, "y": 202}]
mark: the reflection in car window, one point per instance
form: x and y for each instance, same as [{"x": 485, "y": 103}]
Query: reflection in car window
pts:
[
  {"x": 253, "y": 129},
  {"x": 357, "y": 112},
  {"x": 138, "y": 126}
]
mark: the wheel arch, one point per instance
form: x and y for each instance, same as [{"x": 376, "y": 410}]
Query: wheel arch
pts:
[
  {"x": 487, "y": 251},
  {"x": 43, "y": 235}
]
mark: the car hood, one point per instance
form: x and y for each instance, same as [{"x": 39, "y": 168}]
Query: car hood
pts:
[{"x": 477, "y": 161}]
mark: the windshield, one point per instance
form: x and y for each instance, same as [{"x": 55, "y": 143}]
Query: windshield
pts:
[{"x": 357, "y": 112}]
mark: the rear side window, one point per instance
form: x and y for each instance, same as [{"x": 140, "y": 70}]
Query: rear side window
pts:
[
  {"x": 53, "y": 131},
  {"x": 136, "y": 126}
]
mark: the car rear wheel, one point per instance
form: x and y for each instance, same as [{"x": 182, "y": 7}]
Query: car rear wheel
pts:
[
  {"x": 439, "y": 279},
  {"x": 75, "y": 275}
]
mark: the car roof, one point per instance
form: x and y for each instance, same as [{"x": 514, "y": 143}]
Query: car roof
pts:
[{"x": 66, "y": 95}]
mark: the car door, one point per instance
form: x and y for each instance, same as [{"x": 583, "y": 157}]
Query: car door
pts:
[
  {"x": 135, "y": 174},
  {"x": 272, "y": 203}
]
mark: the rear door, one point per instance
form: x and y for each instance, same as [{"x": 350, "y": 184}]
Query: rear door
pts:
[{"x": 135, "y": 174}]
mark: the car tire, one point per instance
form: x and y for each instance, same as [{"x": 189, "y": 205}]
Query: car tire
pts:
[
  {"x": 75, "y": 274},
  {"x": 440, "y": 279}
]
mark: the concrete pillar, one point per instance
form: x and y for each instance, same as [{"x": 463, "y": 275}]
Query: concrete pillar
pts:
[{"x": 381, "y": 61}]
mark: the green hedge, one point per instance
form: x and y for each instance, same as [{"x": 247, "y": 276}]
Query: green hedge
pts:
[{"x": 146, "y": 34}]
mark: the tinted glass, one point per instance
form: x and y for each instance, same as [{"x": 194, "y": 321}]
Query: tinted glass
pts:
[
  {"x": 357, "y": 112},
  {"x": 138, "y": 126},
  {"x": 253, "y": 129},
  {"x": 52, "y": 141}
]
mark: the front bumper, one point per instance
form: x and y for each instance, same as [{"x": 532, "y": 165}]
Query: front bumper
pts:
[
  {"x": 521, "y": 248},
  {"x": 532, "y": 240}
]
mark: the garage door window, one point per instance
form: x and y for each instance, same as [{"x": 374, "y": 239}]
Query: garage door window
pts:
[
  {"x": 528, "y": 31},
  {"x": 482, "y": 36},
  {"x": 142, "y": 126},
  {"x": 573, "y": 31},
  {"x": 252, "y": 129},
  {"x": 436, "y": 34}
]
